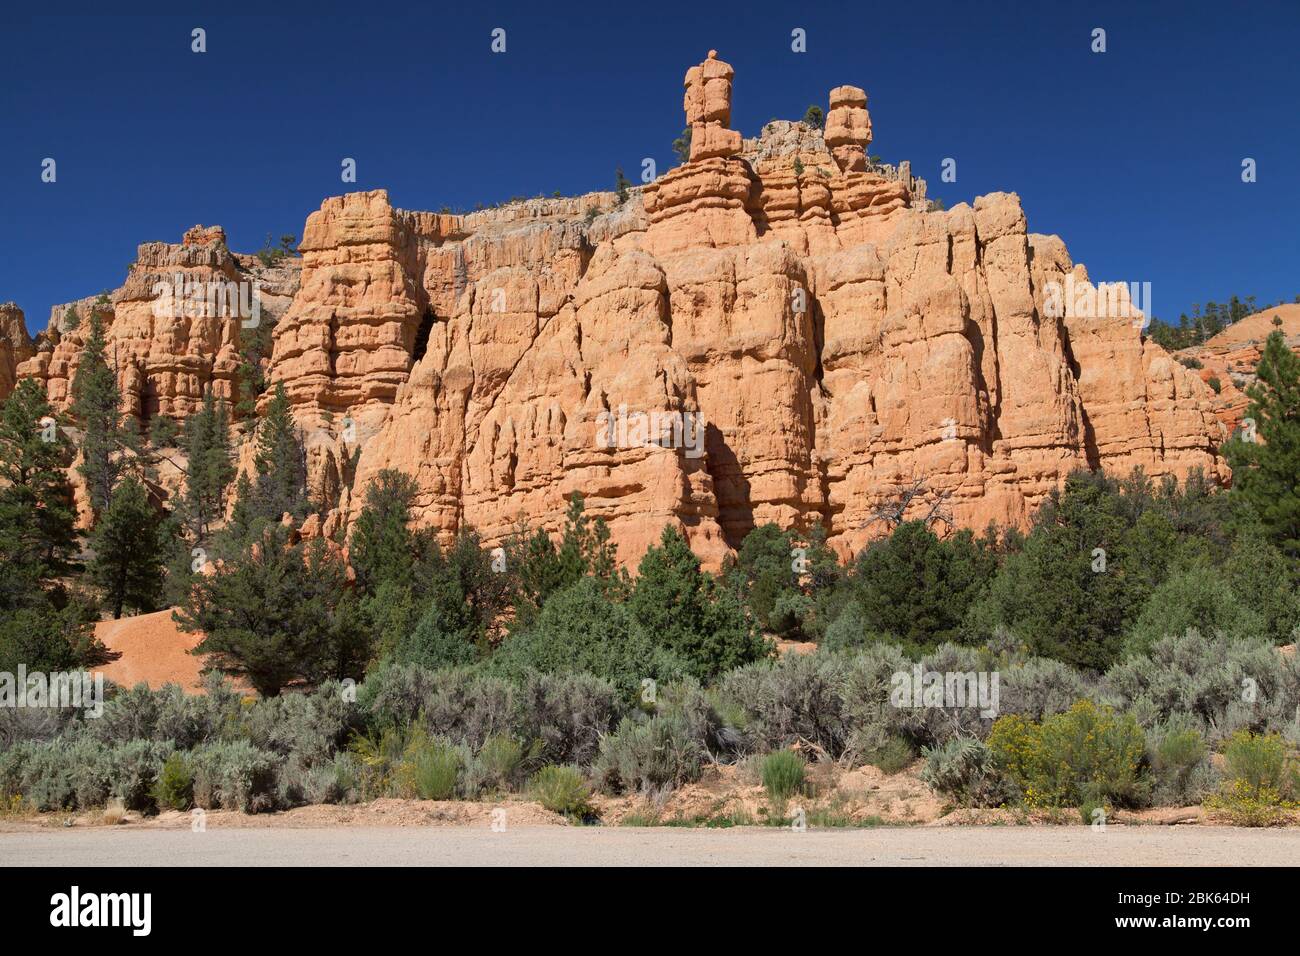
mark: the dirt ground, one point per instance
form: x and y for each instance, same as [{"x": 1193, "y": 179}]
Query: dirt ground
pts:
[{"x": 724, "y": 797}]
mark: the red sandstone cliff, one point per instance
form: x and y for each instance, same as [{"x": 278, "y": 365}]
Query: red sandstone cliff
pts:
[{"x": 833, "y": 337}]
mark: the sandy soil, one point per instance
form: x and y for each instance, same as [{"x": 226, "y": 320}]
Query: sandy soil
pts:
[
  {"x": 149, "y": 648},
  {"x": 725, "y": 796},
  {"x": 1256, "y": 327}
]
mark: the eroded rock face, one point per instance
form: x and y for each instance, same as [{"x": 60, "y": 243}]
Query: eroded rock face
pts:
[
  {"x": 16, "y": 346},
  {"x": 1227, "y": 362},
  {"x": 173, "y": 329},
  {"x": 777, "y": 330}
]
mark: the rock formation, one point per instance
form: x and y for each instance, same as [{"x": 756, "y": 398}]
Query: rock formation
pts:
[
  {"x": 172, "y": 330},
  {"x": 776, "y": 330},
  {"x": 1228, "y": 360},
  {"x": 16, "y": 346}
]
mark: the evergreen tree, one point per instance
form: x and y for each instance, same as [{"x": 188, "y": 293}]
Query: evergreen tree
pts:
[
  {"x": 207, "y": 443},
  {"x": 918, "y": 588},
  {"x": 1266, "y": 472},
  {"x": 36, "y": 498},
  {"x": 384, "y": 548},
  {"x": 276, "y": 615},
  {"x": 96, "y": 404},
  {"x": 682, "y": 145},
  {"x": 1098, "y": 549},
  {"x": 581, "y": 630},
  {"x": 43, "y": 626},
  {"x": 683, "y": 609},
  {"x": 539, "y": 569},
  {"x": 585, "y": 548},
  {"x": 129, "y": 552},
  {"x": 244, "y": 525},
  {"x": 281, "y": 463}
]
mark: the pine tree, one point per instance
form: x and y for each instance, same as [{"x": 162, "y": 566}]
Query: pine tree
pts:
[
  {"x": 682, "y": 145},
  {"x": 96, "y": 404},
  {"x": 384, "y": 548},
  {"x": 207, "y": 443},
  {"x": 1266, "y": 472},
  {"x": 128, "y": 546},
  {"x": 37, "y": 497},
  {"x": 276, "y": 615},
  {"x": 42, "y": 626},
  {"x": 682, "y": 608},
  {"x": 281, "y": 462}
]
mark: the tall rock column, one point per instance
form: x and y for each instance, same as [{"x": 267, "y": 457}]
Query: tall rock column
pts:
[
  {"x": 708, "y": 109},
  {"x": 848, "y": 128},
  {"x": 704, "y": 201}
]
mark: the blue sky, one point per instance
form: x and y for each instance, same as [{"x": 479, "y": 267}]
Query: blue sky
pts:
[{"x": 1132, "y": 156}]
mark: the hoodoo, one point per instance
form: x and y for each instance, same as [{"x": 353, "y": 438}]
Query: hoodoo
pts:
[{"x": 836, "y": 336}]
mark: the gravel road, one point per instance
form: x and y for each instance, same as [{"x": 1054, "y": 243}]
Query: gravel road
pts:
[{"x": 661, "y": 846}]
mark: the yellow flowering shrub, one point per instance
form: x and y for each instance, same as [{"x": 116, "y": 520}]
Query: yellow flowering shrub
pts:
[
  {"x": 1261, "y": 778},
  {"x": 1084, "y": 755}
]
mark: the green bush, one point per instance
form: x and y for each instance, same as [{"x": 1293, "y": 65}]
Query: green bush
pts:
[
  {"x": 467, "y": 707},
  {"x": 1261, "y": 781},
  {"x": 430, "y": 768},
  {"x": 501, "y": 763},
  {"x": 561, "y": 789},
  {"x": 851, "y": 631},
  {"x": 310, "y": 726},
  {"x": 964, "y": 770},
  {"x": 582, "y": 630},
  {"x": 1197, "y": 598},
  {"x": 893, "y": 756},
  {"x": 565, "y": 715},
  {"x": 1040, "y": 687},
  {"x": 648, "y": 756},
  {"x": 235, "y": 776},
  {"x": 1245, "y": 806},
  {"x": 1259, "y": 760},
  {"x": 133, "y": 770},
  {"x": 174, "y": 788},
  {"x": 1180, "y": 767},
  {"x": 1207, "y": 679},
  {"x": 870, "y": 720},
  {"x": 335, "y": 781},
  {"x": 797, "y": 698},
  {"x": 783, "y": 773},
  {"x": 1089, "y": 753}
]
